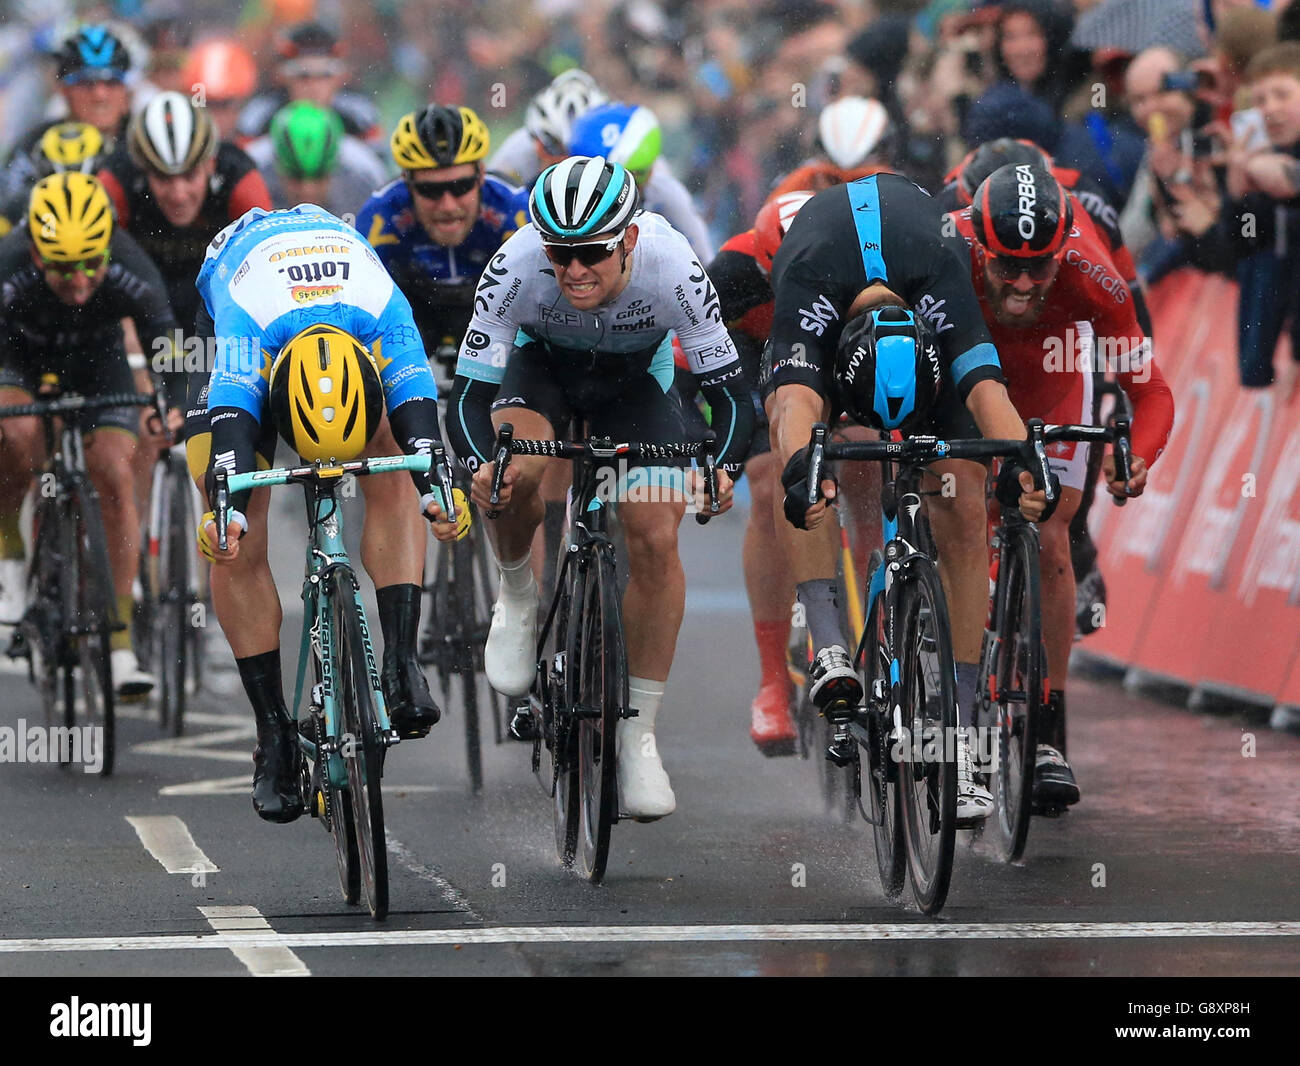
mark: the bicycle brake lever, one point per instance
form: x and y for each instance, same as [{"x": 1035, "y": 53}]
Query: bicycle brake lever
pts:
[
  {"x": 816, "y": 462},
  {"x": 500, "y": 459},
  {"x": 710, "y": 463},
  {"x": 1123, "y": 457},
  {"x": 221, "y": 512},
  {"x": 1041, "y": 472}
]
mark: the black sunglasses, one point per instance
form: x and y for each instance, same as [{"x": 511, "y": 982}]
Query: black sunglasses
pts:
[
  {"x": 589, "y": 255},
  {"x": 1008, "y": 268},
  {"x": 436, "y": 190}
]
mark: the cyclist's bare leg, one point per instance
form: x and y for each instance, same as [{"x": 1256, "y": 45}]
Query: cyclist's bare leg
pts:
[
  {"x": 109, "y": 455},
  {"x": 958, "y": 521},
  {"x": 243, "y": 590},
  {"x": 767, "y": 575},
  {"x": 394, "y": 534},
  {"x": 810, "y": 554},
  {"x": 1058, "y": 586},
  {"x": 656, "y": 592},
  {"x": 556, "y": 479},
  {"x": 22, "y": 450},
  {"x": 511, "y": 533}
]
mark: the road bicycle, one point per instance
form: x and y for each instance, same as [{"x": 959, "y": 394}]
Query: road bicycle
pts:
[
  {"x": 580, "y": 690},
  {"x": 346, "y": 730},
  {"x": 172, "y": 609},
  {"x": 1013, "y": 678},
  {"x": 907, "y": 724},
  {"x": 458, "y": 609},
  {"x": 71, "y": 614}
]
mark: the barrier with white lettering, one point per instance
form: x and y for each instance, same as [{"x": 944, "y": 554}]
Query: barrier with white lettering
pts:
[{"x": 1203, "y": 571}]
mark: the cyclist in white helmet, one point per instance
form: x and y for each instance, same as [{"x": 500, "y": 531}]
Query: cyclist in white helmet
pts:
[{"x": 544, "y": 137}]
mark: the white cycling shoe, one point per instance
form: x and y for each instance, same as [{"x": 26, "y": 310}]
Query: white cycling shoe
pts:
[
  {"x": 974, "y": 800},
  {"x": 644, "y": 791},
  {"x": 128, "y": 679},
  {"x": 510, "y": 656},
  {"x": 13, "y": 591}
]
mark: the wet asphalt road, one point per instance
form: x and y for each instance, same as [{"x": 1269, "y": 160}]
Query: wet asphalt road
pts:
[{"x": 1179, "y": 824}]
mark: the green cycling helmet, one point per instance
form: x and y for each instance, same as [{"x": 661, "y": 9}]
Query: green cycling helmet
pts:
[{"x": 305, "y": 139}]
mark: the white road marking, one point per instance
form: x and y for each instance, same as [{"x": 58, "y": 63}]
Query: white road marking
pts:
[
  {"x": 213, "y": 786},
  {"x": 168, "y": 840},
  {"x": 671, "y": 934},
  {"x": 201, "y": 746},
  {"x": 449, "y": 893},
  {"x": 274, "y": 961}
]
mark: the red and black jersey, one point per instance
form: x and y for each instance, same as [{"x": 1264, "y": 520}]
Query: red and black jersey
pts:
[
  {"x": 1040, "y": 361},
  {"x": 235, "y": 188}
]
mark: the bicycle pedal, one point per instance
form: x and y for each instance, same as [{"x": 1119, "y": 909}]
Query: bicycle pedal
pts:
[
  {"x": 1049, "y": 810},
  {"x": 842, "y": 753},
  {"x": 523, "y": 726},
  {"x": 389, "y": 737}
]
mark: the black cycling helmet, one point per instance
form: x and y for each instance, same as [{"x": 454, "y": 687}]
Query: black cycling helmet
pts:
[
  {"x": 93, "y": 53},
  {"x": 1021, "y": 211},
  {"x": 887, "y": 369},
  {"x": 993, "y": 155}
]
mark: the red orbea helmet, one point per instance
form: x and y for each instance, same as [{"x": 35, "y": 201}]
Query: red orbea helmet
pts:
[
  {"x": 773, "y": 222},
  {"x": 1021, "y": 211}
]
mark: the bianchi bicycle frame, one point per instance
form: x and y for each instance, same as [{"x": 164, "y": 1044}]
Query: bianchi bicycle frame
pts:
[{"x": 325, "y": 554}]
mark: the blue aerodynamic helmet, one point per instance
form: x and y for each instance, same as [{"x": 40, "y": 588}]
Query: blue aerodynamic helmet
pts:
[{"x": 887, "y": 369}]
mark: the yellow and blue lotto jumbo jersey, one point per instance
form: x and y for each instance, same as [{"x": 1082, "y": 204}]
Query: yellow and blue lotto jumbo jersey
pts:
[{"x": 271, "y": 274}]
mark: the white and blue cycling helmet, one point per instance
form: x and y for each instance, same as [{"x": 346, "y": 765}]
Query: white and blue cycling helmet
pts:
[{"x": 582, "y": 197}]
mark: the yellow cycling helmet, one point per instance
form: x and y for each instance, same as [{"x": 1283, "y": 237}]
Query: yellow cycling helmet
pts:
[
  {"x": 69, "y": 146},
  {"x": 326, "y": 397},
  {"x": 70, "y": 218},
  {"x": 439, "y": 137}
]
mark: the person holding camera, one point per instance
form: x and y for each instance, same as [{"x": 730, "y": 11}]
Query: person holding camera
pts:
[
  {"x": 1262, "y": 218},
  {"x": 1178, "y": 189}
]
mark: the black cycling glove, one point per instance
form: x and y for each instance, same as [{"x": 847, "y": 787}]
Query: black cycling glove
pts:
[
  {"x": 795, "y": 479},
  {"x": 1009, "y": 489}
]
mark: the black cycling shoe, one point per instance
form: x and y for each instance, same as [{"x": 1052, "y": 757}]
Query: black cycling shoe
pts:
[
  {"x": 406, "y": 691},
  {"x": 277, "y": 783},
  {"x": 277, "y": 790},
  {"x": 1054, "y": 784}
]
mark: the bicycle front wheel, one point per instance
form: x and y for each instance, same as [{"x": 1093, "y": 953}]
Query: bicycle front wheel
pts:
[
  {"x": 881, "y": 778},
  {"x": 90, "y": 618},
  {"x": 362, "y": 747},
  {"x": 928, "y": 771},
  {"x": 600, "y": 657},
  {"x": 1015, "y": 662}
]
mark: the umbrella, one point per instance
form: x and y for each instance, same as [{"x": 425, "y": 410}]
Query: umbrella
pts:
[{"x": 1134, "y": 25}]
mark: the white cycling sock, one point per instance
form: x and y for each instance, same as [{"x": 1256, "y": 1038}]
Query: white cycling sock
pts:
[
  {"x": 645, "y": 696},
  {"x": 517, "y": 577}
]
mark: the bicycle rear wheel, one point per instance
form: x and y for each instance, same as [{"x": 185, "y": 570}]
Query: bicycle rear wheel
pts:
[
  {"x": 90, "y": 618},
  {"x": 1014, "y": 668},
  {"x": 362, "y": 744},
  {"x": 928, "y": 773},
  {"x": 600, "y": 659},
  {"x": 883, "y": 808}
]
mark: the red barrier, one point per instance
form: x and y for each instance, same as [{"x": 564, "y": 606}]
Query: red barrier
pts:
[{"x": 1203, "y": 571}]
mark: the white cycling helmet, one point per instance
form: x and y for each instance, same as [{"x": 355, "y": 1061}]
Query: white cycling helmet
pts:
[
  {"x": 582, "y": 197},
  {"x": 850, "y": 129},
  {"x": 551, "y": 112},
  {"x": 170, "y": 135}
]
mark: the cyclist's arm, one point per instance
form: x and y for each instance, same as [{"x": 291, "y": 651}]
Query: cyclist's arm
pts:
[
  {"x": 1153, "y": 410},
  {"x": 724, "y": 381}
]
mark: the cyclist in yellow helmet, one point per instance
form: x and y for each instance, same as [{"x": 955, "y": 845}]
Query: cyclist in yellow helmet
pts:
[
  {"x": 64, "y": 147},
  {"x": 70, "y": 277}
]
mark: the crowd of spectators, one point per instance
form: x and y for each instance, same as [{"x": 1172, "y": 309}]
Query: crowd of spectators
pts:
[{"x": 1186, "y": 113}]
